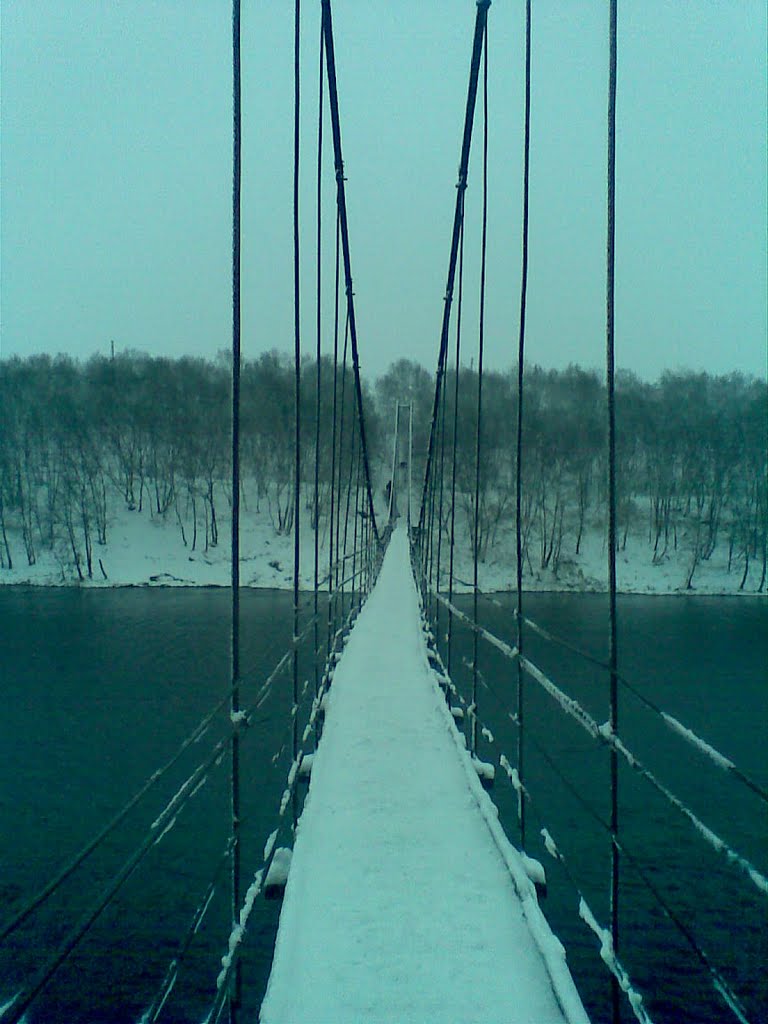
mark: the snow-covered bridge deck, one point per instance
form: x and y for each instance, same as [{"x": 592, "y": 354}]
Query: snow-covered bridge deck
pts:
[{"x": 405, "y": 902}]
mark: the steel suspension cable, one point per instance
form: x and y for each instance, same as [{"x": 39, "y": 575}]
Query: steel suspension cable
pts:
[
  {"x": 342, "y": 208},
  {"x": 163, "y": 823},
  {"x": 479, "y": 433},
  {"x": 333, "y": 532},
  {"x": 393, "y": 472},
  {"x": 172, "y": 971},
  {"x": 520, "y": 711},
  {"x": 469, "y": 115},
  {"x": 672, "y": 723},
  {"x": 297, "y": 365},
  {"x": 718, "y": 982},
  {"x": 410, "y": 462},
  {"x": 341, "y": 434},
  {"x": 455, "y": 432},
  {"x": 357, "y": 517},
  {"x": 160, "y": 827},
  {"x": 428, "y": 550},
  {"x": 433, "y": 491},
  {"x": 237, "y": 934},
  {"x": 440, "y": 510},
  {"x": 677, "y": 727},
  {"x": 437, "y": 489},
  {"x": 318, "y": 379},
  {"x": 604, "y": 734},
  {"x": 75, "y": 862},
  {"x": 611, "y": 410},
  {"x": 190, "y": 740},
  {"x": 352, "y": 453},
  {"x": 235, "y": 991}
]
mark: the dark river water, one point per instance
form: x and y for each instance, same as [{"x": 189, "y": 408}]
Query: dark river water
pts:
[{"x": 99, "y": 688}]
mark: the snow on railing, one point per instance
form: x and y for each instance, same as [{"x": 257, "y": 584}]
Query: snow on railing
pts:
[
  {"x": 717, "y": 980},
  {"x": 683, "y": 731},
  {"x": 696, "y": 741},
  {"x": 524, "y": 873},
  {"x": 604, "y": 734},
  {"x": 573, "y": 708},
  {"x": 611, "y": 961},
  {"x": 513, "y": 776},
  {"x": 494, "y": 641},
  {"x": 265, "y": 874},
  {"x": 192, "y": 739},
  {"x": 714, "y": 840}
]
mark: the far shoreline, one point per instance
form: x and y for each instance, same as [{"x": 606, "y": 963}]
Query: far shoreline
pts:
[{"x": 97, "y": 585}]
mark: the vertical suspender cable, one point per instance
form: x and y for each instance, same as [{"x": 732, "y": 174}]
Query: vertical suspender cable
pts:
[
  {"x": 612, "y": 637},
  {"x": 435, "y": 521},
  {"x": 519, "y": 459},
  {"x": 440, "y": 511},
  {"x": 343, "y": 559},
  {"x": 356, "y": 517},
  {"x": 479, "y": 435},
  {"x": 469, "y": 116},
  {"x": 341, "y": 199},
  {"x": 368, "y": 532},
  {"x": 317, "y": 359},
  {"x": 235, "y": 990},
  {"x": 410, "y": 459},
  {"x": 340, "y": 563},
  {"x": 392, "y": 498},
  {"x": 427, "y": 539},
  {"x": 333, "y": 532},
  {"x": 435, "y": 524},
  {"x": 455, "y": 436},
  {"x": 297, "y": 381},
  {"x": 429, "y": 548}
]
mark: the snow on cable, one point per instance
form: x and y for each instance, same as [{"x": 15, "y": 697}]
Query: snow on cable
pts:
[
  {"x": 606, "y": 734},
  {"x": 609, "y": 958}
]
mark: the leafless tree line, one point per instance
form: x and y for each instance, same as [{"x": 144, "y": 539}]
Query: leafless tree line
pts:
[
  {"x": 154, "y": 433},
  {"x": 692, "y": 461}
]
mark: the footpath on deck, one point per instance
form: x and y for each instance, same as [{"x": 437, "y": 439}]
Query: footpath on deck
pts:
[{"x": 405, "y": 902}]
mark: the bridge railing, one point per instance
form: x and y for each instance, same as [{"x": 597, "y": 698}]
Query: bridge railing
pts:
[
  {"x": 355, "y": 546},
  {"x": 484, "y": 699},
  {"x": 516, "y": 678}
]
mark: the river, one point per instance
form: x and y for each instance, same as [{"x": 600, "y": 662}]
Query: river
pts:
[{"x": 100, "y": 687}]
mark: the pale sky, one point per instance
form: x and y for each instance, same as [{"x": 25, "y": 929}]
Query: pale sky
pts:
[{"x": 116, "y": 178}]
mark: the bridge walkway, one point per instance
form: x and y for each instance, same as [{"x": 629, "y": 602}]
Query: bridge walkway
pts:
[{"x": 405, "y": 901}]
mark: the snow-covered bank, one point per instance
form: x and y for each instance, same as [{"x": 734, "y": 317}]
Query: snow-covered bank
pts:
[
  {"x": 147, "y": 550},
  {"x": 636, "y": 571}
]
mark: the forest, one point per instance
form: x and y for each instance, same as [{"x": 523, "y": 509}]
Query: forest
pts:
[{"x": 153, "y": 434}]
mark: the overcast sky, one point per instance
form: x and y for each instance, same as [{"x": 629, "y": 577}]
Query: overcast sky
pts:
[{"x": 116, "y": 178}]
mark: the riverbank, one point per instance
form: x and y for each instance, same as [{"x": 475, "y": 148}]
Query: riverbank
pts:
[{"x": 149, "y": 550}]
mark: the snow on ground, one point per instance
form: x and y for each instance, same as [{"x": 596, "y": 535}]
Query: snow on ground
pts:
[
  {"x": 147, "y": 550},
  {"x": 588, "y": 571},
  {"x": 404, "y": 901}
]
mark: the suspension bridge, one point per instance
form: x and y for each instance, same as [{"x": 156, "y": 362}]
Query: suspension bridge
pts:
[{"x": 403, "y": 897}]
